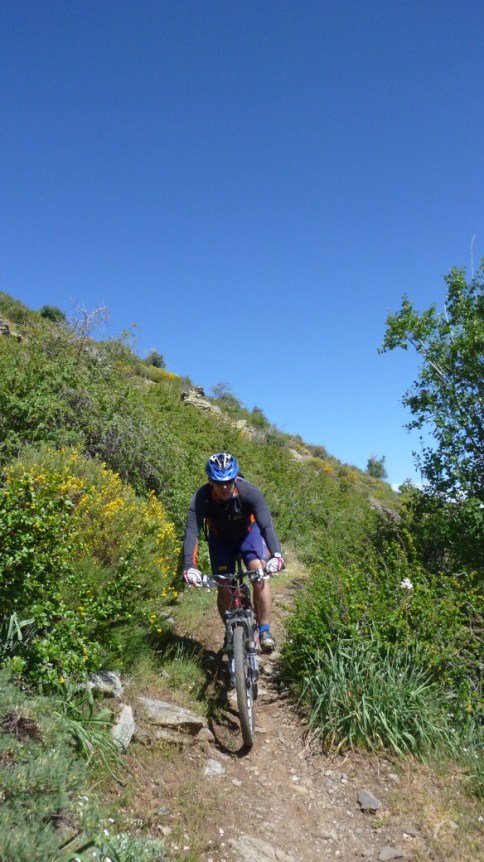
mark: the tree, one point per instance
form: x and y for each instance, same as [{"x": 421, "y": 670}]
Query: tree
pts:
[
  {"x": 376, "y": 467},
  {"x": 224, "y": 394},
  {"x": 447, "y": 396},
  {"x": 156, "y": 359}
]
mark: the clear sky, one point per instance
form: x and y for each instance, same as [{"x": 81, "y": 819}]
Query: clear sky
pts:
[{"x": 254, "y": 183}]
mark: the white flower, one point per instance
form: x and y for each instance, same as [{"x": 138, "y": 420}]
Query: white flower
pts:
[{"x": 406, "y": 584}]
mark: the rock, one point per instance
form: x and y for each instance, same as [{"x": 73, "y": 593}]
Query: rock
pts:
[
  {"x": 367, "y": 801},
  {"x": 410, "y": 830},
  {"x": 205, "y": 734},
  {"x": 249, "y": 848},
  {"x": 394, "y": 777},
  {"x": 165, "y": 714},
  {"x": 388, "y": 852},
  {"x": 329, "y": 835},
  {"x": 124, "y": 729},
  {"x": 142, "y": 736},
  {"x": 195, "y": 400},
  {"x": 106, "y": 681},
  {"x": 296, "y": 456},
  {"x": 162, "y": 811},
  {"x": 166, "y": 831},
  {"x": 4, "y": 327},
  {"x": 213, "y": 769},
  {"x": 180, "y": 739}
]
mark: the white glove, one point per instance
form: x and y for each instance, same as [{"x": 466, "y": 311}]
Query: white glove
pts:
[
  {"x": 192, "y": 577},
  {"x": 275, "y": 564}
]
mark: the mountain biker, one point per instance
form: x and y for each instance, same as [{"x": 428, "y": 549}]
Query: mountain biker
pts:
[{"x": 237, "y": 522}]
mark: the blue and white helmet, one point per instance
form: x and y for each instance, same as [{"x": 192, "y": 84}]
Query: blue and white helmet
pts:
[{"x": 222, "y": 467}]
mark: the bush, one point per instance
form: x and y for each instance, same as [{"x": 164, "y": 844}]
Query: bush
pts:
[{"x": 80, "y": 555}]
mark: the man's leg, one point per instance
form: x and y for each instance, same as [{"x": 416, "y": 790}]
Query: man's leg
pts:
[
  {"x": 254, "y": 551},
  {"x": 222, "y": 561},
  {"x": 262, "y": 595}
]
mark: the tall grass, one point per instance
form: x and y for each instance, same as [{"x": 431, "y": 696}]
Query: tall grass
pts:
[{"x": 359, "y": 695}]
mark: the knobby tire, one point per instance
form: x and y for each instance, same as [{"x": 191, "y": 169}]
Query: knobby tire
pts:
[{"x": 245, "y": 700}]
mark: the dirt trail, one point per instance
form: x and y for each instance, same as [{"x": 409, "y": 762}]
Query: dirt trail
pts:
[
  {"x": 284, "y": 800},
  {"x": 297, "y": 802}
]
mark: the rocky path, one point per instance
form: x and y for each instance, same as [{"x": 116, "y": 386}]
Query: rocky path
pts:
[{"x": 283, "y": 800}]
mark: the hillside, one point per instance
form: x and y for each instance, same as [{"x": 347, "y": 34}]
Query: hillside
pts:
[{"x": 100, "y": 454}]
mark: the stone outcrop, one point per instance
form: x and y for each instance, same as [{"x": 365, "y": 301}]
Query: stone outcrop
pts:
[
  {"x": 6, "y": 331},
  {"x": 193, "y": 399}
]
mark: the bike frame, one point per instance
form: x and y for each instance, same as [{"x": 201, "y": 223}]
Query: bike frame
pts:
[{"x": 240, "y": 613}]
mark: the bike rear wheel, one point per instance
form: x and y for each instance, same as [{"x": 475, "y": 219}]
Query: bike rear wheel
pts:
[{"x": 243, "y": 687}]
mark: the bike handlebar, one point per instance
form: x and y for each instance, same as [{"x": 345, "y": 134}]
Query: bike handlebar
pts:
[{"x": 230, "y": 580}]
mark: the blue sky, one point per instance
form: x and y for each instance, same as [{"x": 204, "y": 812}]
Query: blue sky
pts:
[{"x": 254, "y": 184}]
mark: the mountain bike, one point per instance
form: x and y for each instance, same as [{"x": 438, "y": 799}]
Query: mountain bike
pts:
[{"x": 241, "y": 641}]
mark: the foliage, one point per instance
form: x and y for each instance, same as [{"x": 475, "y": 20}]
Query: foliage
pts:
[
  {"x": 225, "y": 397},
  {"x": 376, "y": 467},
  {"x": 52, "y": 313},
  {"x": 379, "y": 588},
  {"x": 155, "y": 358},
  {"x": 80, "y": 555},
  {"x": 359, "y": 694},
  {"x": 13, "y": 309},
  {"x": 47, "y": 814},
  {"x": 447, "y": 535},
  {"x": 447, "y": 395}
]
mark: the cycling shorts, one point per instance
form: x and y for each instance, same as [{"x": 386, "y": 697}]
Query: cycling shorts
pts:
[{"x": 223, "y": 557}]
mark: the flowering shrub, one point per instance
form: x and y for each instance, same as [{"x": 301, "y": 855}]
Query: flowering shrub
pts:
[{"x": 80, "y": 554}]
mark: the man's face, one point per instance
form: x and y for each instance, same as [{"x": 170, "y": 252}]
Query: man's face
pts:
[{"x": 223, "y": 490}]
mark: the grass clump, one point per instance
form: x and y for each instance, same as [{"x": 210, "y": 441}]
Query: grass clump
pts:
[{"x": 360, "y": 695}]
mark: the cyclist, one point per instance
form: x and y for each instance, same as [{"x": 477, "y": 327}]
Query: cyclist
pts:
[{"x": 237, "y": 522}]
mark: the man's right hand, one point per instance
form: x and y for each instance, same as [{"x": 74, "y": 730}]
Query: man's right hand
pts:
[{"x": 192, "y": 577}]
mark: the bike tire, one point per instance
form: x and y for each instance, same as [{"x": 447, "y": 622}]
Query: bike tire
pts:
[{"x": 245, "y": 700}]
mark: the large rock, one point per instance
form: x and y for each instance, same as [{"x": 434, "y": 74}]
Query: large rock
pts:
[
  {"x": 249, "y": 849},
  {"x": 165, "y": 714}
]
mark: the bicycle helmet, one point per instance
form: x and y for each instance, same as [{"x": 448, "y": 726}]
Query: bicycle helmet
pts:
[{"x": 222, "y": 467}]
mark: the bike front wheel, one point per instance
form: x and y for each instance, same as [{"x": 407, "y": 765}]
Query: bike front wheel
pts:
[{"x": 243, "y": 687}]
